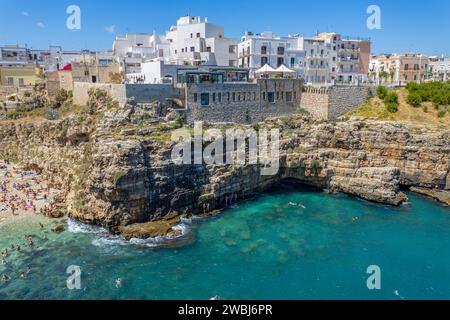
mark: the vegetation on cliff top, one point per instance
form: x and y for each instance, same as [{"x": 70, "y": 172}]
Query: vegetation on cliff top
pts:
[{"x": 412, "y": 104}]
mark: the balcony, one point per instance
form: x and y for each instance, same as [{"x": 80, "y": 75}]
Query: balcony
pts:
[
  {"x": 349, "y": 49},
  {"x": 348, "y": 59}
]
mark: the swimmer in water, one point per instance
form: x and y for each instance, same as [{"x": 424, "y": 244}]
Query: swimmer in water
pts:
[
  {"x": 118, "y": 283},
  {"x": 216, "y": 297}
]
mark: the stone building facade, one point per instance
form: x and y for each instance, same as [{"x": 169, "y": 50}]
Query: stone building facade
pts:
[{"x": 242, "y": 102}]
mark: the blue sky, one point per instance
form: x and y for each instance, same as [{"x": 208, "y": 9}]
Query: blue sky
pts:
[{"x": 406, "y": 25}]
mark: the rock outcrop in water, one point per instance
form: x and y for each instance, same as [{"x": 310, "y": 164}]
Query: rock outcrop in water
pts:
[{"x": 116, "y": 170}]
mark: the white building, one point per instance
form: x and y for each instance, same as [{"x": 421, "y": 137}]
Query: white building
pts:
[
  {"x": 440, "y": 68},
  {"x": 257, "y": 50},
  {"x": 320, "y": 60},
  {"x": 195, "y": 42},
  {"x": 133, "y": 49}
]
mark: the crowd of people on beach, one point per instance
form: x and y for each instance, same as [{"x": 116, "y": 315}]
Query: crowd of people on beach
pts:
[{"x": 22, "y": 191}]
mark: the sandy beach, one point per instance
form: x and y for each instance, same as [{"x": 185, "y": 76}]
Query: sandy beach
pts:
[{"x": 23, "y": 192}]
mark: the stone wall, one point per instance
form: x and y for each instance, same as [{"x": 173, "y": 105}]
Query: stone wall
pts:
[
  {"x": 328, "y": 103},
  {"x": 343, "y": 99},
  {"x": 81, "y": 89},
  {"x": 242, "y": 102},
  {"x": 315, "y": 101},
  {"x": 142, "y": 93},
  {"x": 147, "y": 93}
]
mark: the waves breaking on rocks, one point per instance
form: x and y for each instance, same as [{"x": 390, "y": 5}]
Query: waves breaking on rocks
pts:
[{"x": 106, "y": 238}]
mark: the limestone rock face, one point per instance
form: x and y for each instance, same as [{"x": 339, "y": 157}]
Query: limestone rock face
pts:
[{"x": 116, "y": 169}]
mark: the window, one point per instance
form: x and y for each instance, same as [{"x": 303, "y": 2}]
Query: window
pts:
[
  {"x": 214, "y": 97},
  {"x": 288, "y": 96},
  {"x": 264, "y": 96},
  {"x": 292, "y": 62},
  {"x": 278, "y": 96},
  {"x": 208, "y": 49},
  {"x": 264, "y": 61},
  {"x": 280, "y": 50},
  {"x": 416, "y": 67},
  {"x": 406, "y": 77},
  {"x": 10, "y": 81},
  {"x": 198, "y": 35},
  {"x": 234, "y": 96},
  {"x": 192, "y": 49},
  {"x": 195, "y": 97},
  {"x": 228, "y": 96},
  {"x": 415, "y": 77},
  {"x": 219, "y": 96},
  {"x": 232, "y": 49},
  {"x": 263, "y": 50},
  {"x": 21, "y": 82},
  {"x": 406, "y": 66},
  {"x": 204, "y": 99},
  {"x": 295, "y": 94},
  {"x": 192, "y": 35},
  {"x": 271, "y": 97},
  {"x": 280, "y": 61}
]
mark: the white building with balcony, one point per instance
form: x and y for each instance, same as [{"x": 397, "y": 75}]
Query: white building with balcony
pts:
[
  {"x": 257, "y": 50},
  {"x": 320, "y": 60},
  {"x": 194, "y": 41}
]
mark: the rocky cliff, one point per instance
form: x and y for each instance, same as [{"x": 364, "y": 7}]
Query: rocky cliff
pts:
[{"x": 115, "y": 166}]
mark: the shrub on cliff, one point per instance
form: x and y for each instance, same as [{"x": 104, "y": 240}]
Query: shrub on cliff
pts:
[
  {"x": 439, "y": 99},
  {"x": 382, "y": 91},
  {"x": 392, "y": 107},
  {"x": 414, "y": 99},
  {"x": 391, "y": 97}
]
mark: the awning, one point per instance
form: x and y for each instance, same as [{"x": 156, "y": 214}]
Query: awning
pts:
[
  {"x": 266, "y": 69},
  {"x": 284, "y": 69}
]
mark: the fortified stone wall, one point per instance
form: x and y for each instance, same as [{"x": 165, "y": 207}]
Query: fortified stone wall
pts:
[
  {"x": 343, "y": 99},
  {"x": 315, "y": 101},
  {"x": 242, "y": 102},
  {"x": 328, "y": 103}
]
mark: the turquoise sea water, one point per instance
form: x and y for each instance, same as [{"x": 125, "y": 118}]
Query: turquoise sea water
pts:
[{"x": 289, "y": 243}]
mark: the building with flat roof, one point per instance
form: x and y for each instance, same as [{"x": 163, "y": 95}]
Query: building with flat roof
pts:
[
  {"x": 257, "y": 50},
  {"x": 399, "y": 69}
]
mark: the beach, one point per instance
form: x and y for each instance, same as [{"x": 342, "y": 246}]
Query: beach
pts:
[{"x": 24, "y": 192}]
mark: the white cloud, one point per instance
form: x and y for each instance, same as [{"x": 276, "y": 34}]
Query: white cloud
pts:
[
  {"x": 25, "y": 13},
  {"x": 40, "y": 24},
  {"x": 111, "y": 29}
]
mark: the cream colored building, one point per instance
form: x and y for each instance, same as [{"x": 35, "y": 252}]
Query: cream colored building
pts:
[{"x": 19, "y": 76}]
